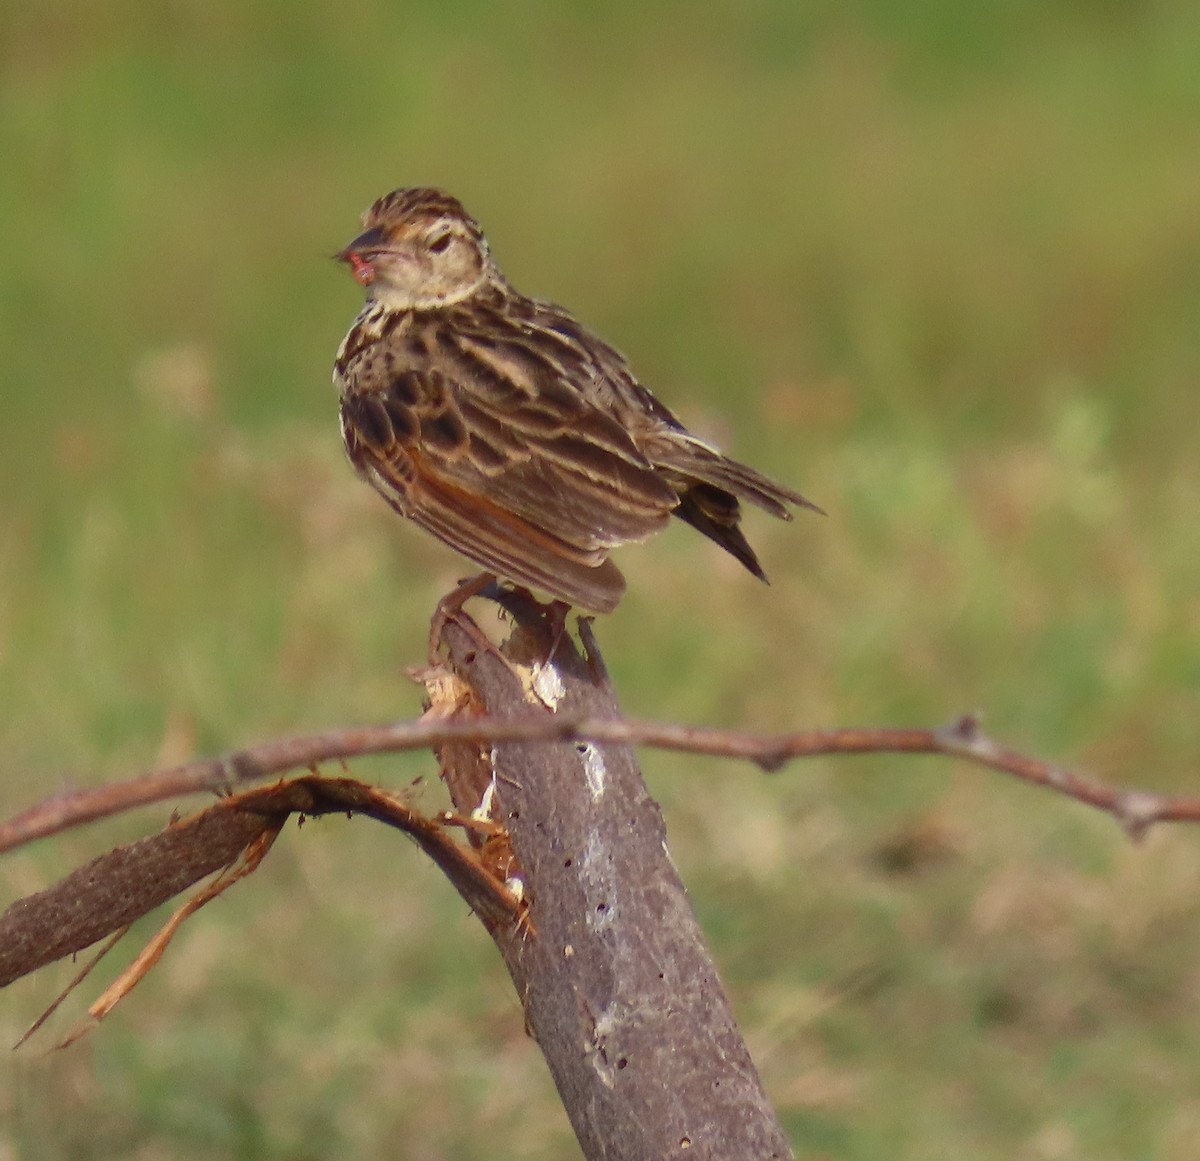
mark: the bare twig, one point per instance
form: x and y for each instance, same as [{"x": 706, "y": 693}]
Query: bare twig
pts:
[{"x": 1136, "y": 810}]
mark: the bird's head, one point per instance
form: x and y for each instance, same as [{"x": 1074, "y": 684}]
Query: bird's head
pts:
[{"x": 419, "y": 250}]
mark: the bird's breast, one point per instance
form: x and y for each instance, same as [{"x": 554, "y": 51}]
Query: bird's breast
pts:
[{"x": 375, "y": 325}]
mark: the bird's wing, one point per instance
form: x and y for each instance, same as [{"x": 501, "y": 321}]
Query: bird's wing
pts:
[
  {"x": 679, "y": 457},
  {"x": 526, "y": 479},
  {"x": 682, "y": 456}
]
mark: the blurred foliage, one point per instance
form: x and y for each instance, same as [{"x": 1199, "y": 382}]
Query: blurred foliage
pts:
[{"x": 937, "y": 264}]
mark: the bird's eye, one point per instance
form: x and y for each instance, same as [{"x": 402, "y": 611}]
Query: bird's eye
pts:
[{"x": 440, "y": 243}]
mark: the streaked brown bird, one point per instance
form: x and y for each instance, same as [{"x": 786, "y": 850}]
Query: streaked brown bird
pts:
[{"x": 507, "y": 429}]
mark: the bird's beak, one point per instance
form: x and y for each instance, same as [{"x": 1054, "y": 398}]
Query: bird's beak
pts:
[
  {"x": 358, "y": 255},
  {"x": 363, "y": 245}
]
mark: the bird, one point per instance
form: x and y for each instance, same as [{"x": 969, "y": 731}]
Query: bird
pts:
[{"x": 507, "y": 429}]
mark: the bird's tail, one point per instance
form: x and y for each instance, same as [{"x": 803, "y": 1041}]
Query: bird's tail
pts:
[
  {"x": 710, "y": 486},
  {"x": 684, "y": 457},
  {"x": 717, "y": 514}
]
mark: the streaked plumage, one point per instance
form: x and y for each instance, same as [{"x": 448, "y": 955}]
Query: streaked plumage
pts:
[{"x": 504, "y": 427}]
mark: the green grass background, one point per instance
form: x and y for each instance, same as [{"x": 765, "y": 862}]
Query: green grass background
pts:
[{"x": 936, "y": 263}]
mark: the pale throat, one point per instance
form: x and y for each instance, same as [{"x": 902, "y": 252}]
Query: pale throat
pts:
[{"x": 428, "y": 296}]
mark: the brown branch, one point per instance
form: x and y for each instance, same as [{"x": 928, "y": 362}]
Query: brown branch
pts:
[
  {"x": 616, "y": 980},
  {"x": 246, "y": 864},
  {"x": 1135, "y": 810},
  {"x": 112, "y": 891},
  {"x": 117, "y": 888}
]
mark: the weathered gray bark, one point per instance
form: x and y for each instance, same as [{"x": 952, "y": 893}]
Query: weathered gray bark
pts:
[{"x": 618, "y": 985}]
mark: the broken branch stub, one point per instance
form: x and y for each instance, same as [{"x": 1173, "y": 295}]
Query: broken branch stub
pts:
[{"x": 618, "y": 985}]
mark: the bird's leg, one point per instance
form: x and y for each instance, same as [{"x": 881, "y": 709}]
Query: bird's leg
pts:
[
  {"x": 449, "y": 608},
  {"x": 556, "y": 614}
]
